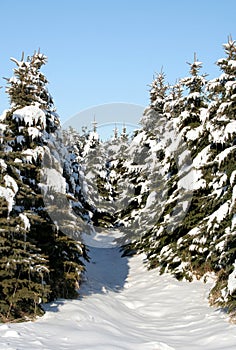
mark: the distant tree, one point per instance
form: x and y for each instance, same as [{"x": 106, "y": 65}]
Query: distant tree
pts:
[
  {"x": 158, "y": 89},
  {"x": 195, "y": 99},
  {"x": 174, "y": 100}
]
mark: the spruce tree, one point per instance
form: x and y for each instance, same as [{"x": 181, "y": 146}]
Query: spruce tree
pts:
[
  {"x": 28, "y": 86},
  {"x": 202, "y": 186},
  {"x": 30, "y": 135},
  {"x": 95, "y": 186},
  {"x": 221, "y": 125},
  {"x": 146, "y": 153},
  {"x": 24, "y": 268}
]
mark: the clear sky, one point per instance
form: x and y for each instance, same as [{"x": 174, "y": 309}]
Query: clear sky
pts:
[{"x": 105, "y": 51}]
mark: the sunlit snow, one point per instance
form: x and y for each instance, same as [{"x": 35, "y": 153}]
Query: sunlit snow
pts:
[{"x": 124, "y": 306}]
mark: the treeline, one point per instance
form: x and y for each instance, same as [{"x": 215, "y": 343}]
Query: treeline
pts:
[{"x": 170, "y": 189}]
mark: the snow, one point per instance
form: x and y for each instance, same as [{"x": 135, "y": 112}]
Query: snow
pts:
[
  {"x": 11, "y": 183},
  {"x": 3, "y": 165},
  {"x": 185, "y": 155},
  {"x": 123, "y": 306},
  {"x": 9, "y": 191},
  {"x": 193, "y": 95},
  {"x": 232, "y": 280},
  {"x": 232, "y": 63},
  {"x": 220, "y": 246},
  {"x": 233, "y": 197},
  {"x": 224, "y": 154},
  {"x": 151, "y": 199},
  {"x": 232, "y": 177},
  {"x": 222, "y": 134},
  {"x": 32, "y": 154},
  {"x": 218, "y": 185},
  {"x": 20, "y": 139},
  {"x": 185, "y": 205},
  {"x": 194, "y": 134},
  {"x": 93, "y": 137},
  {"x": 54, "y": 180},
  {"x": 34, "y": 132},
  {"x": 223, "y": 107},
  {"x": 11, "y": 334},
  {"x": 3, "y": 127},
  {"x": 230, "y": 128},
  {"x": 26, "y": 221},
  {"x": 233, "y": 221},
  {"x": 30, "y": 116},
  {"x": 192, "y": 180},
  {"x": 17, "y": 160},
  {"x": 9, "y": 196},
  {"x": 195, "y": 231},
  {"x": 218, "y": 215},
  {"x": 202, "y": 157}
]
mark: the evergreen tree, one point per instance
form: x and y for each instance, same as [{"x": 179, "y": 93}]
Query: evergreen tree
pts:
[
  {"x": 28, "y": 145},
  {"x": 203, "y": 240},
  {"x": 95, "y": 186},
  {"x": 158, "y": 89},
  {"x": 145, "y": 177},
  {"x": 28, "y": 86},
  {"x": 170, "y": 188},
  {"x": 220, "y": 125},
  {"x": 194, "y": 103},
  {"x": 24, "y": 268}
]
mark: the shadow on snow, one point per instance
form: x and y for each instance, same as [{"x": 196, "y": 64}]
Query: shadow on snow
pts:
[{"x": 106, "y": 271}]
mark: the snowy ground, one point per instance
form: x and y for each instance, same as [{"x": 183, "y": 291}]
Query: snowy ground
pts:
[{"x": 123, "y": 306}]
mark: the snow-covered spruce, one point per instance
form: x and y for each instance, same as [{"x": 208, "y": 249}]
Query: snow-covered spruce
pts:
[
  {"x": 39, "y": 261},
  {"x": 170, "y": 190},
  {"x": 203, "y": 241}
]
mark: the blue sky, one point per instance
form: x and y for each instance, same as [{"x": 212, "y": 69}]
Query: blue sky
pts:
[{"x": 102, "y": 51}]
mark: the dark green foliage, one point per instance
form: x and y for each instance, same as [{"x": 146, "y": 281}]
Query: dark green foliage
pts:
[
  {"x": 39, "y": 262},
  {"x": 29, "y": 84},
  {"x": 171, "y": 188},
  {"x": 24, "y": 267},
  {"x": 200, "y": 240}
]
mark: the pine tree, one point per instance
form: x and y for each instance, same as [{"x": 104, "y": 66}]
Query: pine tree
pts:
[
  {"x": 158, "y": 89},
  {"x": 174, "y": 100},
  {"x": 24, "y": 268},
  {"x": 28, "y": 86},
  {"x": 146, "y": 153},
  {"x": 30, "y": 142},
  {"x": 195, "y": 100},
  {"x": 198, "y": 240},
  {"x": 96, "y": 187},
  {"x": 221, "y": 128},
  {"x": 170, "y": 188},
  {"x": 24, "y": 272}
]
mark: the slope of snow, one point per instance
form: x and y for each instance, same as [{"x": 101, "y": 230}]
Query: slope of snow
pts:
[{"x": 124, "y": 306}]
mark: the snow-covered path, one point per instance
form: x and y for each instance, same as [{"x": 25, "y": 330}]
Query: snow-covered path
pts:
[{"x": 123, "y": 306}]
